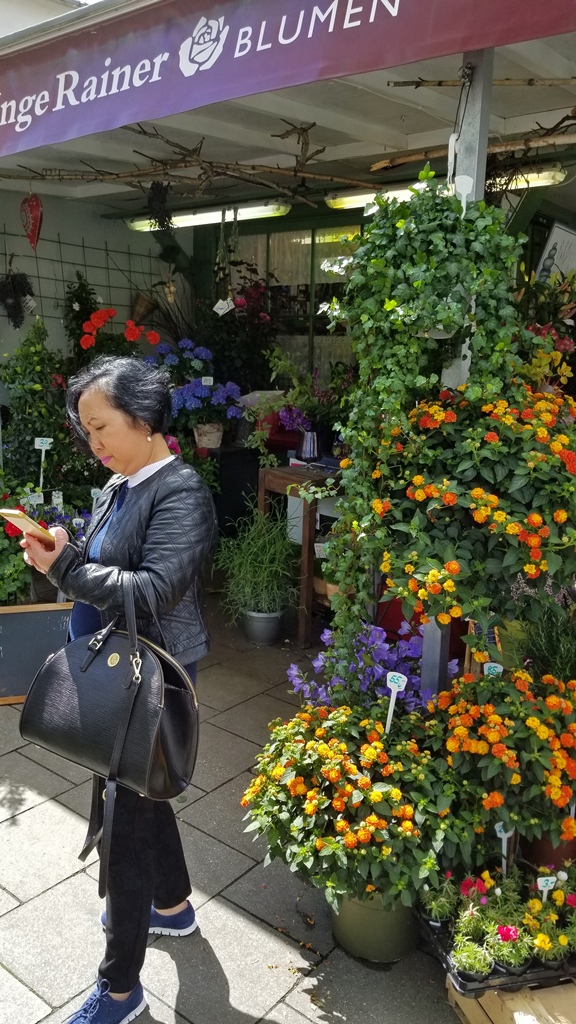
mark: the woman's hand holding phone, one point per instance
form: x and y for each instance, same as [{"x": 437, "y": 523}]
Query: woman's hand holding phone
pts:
[{"x": 37, "y": 554}]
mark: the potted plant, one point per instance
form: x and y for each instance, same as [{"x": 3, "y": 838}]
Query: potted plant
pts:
[
  {"x": 439, "y": 902},
  {"x": 512, "y": 947},
  {"x": 205, "y": 407},
  {"x": 258, "y": 563},
  {"x": 472, "y": 961},
  {"x": 358, "y": 814}
]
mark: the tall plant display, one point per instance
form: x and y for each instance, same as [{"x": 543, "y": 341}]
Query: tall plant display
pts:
[{"x": 452, "y": 494}]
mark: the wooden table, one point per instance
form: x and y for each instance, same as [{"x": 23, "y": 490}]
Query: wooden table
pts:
[{"x": 289, "y": 480}]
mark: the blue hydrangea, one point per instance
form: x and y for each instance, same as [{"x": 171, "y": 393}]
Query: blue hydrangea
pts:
[
  {"x": 163, "y": 348},
  {"x": 151, "y": 360},
  {"x": 203, "y": 353},
  {"x": 185, "y": 343},
  {"x": 171, "y": 360}
]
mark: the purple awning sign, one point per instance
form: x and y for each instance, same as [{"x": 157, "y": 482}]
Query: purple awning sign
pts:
[{"x": 179, "y": 55}]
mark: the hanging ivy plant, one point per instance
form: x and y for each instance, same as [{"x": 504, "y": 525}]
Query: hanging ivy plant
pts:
[{"x": 14, "y": 287}]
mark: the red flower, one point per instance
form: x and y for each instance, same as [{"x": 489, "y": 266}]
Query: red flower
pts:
[
  {"x": 111, "y": 313},
  {"x": 450, "y": 416},
  {"x": 10, "y": 530},
  {"x": 153, "y": 337},
  {"x": 508, "y": 932},
  {"x": 132, "y": 333},
  {"x": 491, "y": 437},
  {"x": 98, "y": 318},
  {"x": 399, "y": 447},
  {"x": 87, "y": 341},
  {"x": 444, "y": 396},
  {"x": 88, "y": 327},
  {"x": 240, "y": 303},
  {"x": 202, "y": 453},
  {"x": 571, "y": 899}
]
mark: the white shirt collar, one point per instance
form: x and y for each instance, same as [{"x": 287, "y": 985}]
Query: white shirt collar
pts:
[{"x": 146, "y": 471}]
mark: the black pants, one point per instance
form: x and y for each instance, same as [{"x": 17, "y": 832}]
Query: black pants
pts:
[{"x": 146, "y": 866}]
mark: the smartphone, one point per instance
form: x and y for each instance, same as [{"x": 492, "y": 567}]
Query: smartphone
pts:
[{"x": 27, "y": 525}]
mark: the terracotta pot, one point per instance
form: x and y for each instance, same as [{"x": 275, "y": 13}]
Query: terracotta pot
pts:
[
  {"x": 540, "y": 852},
  {"x": 208, "y": 435},
  {"x": 319, "y": 585}
]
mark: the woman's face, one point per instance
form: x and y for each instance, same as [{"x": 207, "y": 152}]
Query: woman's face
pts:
[{"x": 117, "y": 441}]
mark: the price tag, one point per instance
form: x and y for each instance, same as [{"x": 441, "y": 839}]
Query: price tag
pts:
[
  {"x": 545, "y": 884},
  {"x": 503, "y": 837},
  {"x": 44, "y": 443},
  {"x": 208, "y": 381},
  {"x": 396, "y": 682},
  {"x": 223, "y": 306},
  {"x": 58, "y": 499},
  {"x": 492, "y": 668},
  {"x": 35, "y": 499}
]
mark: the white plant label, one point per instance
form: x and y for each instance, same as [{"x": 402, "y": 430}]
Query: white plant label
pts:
[
  {"x": 44, "y": 443},
  {"x": 58, "y": 499},
  {"x": 35, "y": 499},
  {"x": 503, "y": 837},
  {"x": 95, "y": 493},
  {"x": 396, "y": 682},
  {"x": 208, "y": 381},
  {"x": 545, "y": 884},
  {"x": 223, "y": 306},
  {"x": 492, "y": 668}
]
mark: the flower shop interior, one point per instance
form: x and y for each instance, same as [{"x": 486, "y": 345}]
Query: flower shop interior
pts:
[{"x": 389, "y": 387}]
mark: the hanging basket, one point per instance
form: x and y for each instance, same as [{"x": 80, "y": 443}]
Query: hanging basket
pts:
[
  {"x": 208, "y": 435},
  {"x": 142, "y": 306}
]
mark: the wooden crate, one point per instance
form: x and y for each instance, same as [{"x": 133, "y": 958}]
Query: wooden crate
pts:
[{"x": 554, "y": 1005}]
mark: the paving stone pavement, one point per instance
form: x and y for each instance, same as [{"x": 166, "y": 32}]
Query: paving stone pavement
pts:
[{"x": 263, "y": 952}]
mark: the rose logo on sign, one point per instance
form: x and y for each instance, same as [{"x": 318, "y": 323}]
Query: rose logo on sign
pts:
[{"x": 202, "y": 49}]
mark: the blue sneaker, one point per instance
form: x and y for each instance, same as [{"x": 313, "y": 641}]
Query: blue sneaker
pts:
[
  {"x": 100, "y": 1008},
  {"x": 183, "y": 923}
]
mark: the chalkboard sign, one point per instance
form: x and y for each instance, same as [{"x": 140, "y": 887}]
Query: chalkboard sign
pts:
[{"x": 28, "y": 634}]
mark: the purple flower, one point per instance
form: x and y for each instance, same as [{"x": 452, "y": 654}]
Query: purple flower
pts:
[
  {"x": 151, "y": 360},
  {"x": 164, "y": 349},
  {"x": 171, "y": 359},
  {"x": 203, "y": 353},
  {"x": 293, "y": 418},
  {"x": 185, "y": 343}
]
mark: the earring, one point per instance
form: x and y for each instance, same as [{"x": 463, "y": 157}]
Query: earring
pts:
[{"x": 148, "y": 437}]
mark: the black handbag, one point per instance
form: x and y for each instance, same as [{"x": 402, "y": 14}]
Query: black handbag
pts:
[{"x": 122, "y": 707}]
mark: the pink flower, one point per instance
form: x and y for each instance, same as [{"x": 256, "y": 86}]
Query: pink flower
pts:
[
  {"x": 508, "y": 933},
  {"x": 571, "y": 899},
  {"x": 264, "y": 318},
  {"x": 173, "y": 445},
  {"x": 448, "y": 874},
  {"x": 240, "y": 303}
]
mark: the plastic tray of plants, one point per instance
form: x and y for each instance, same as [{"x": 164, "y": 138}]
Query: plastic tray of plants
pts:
[
  {"x": 537, "y": 974},
  {"x": 498, "y": 931}
]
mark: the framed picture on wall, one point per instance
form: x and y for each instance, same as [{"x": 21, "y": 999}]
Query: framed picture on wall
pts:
[{"x": 559, "y": 252}]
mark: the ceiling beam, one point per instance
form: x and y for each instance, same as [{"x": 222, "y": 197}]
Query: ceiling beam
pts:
[
  {"x": 357, "y": 127},
  {"x": 540, "y": 59}
]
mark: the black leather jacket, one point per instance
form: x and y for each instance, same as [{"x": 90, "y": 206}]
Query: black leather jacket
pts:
[{"x": 164, "y": 537}]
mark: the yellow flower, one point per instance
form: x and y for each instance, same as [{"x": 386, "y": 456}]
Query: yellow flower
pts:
[
  {"x": 543, "y": 941},
  {"x": 376, "y": 474},
  {"x": 278, "y": 771},
  {"x": 513, "y": 528},
  {"x": 450, "y": 586},
  {"x": 534, "y": 906},
  {"x": 419, "y": 494},
  {"x": 422, "y": 593},
  {"x": 443, "y": 618},
  {"x": 487, "y": 879},
  {"x": 417, "y": 481},
  {"x": 558, "y": 897},
  {"x": 375, "y": 796},
  {"x": 344, "y": 463},
  {"x": 543, "y": 565},
  {"x": 563, "y": 940},
  {"x": 395, "y": 795},
  {"x": 516, "y": 778},
  {"x": 409, "y": 568},
  {"x": 433, "y": 576},
  {"x": 455, "y": 611},
  {"x": 477, "y": 493},
  {"x": 370, "y": 888},
  {"x": 500, "y": 516}
]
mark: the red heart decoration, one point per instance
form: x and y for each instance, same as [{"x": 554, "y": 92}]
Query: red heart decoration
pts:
[{"x": 31, "y": 214}]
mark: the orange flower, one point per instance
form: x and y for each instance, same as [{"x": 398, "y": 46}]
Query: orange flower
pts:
[
  {"x": 320, "y": 844},
  {"x": 480, "y": 656},
  {"x": 452, "y": 567},
  {"x": 434, "y": 588},
  {"x": 560, "y": 515},
  {"x": 535, "y": 554},
  {"x": 363, "y": 835},
  {"x": 443, "y": 618},
  {"x": 338, "y": 803},
  {"x": 449, "y": 498},
  {"x": 534, "y": 519},
  {"x": 491, "y": 437},
  {"x": 350, "y": 840},
  {"x": 297, "y": 786},
  {"x": 450, "y": 416}
]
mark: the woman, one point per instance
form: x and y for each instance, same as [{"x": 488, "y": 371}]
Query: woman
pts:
[{"x": 155, "y": 519}]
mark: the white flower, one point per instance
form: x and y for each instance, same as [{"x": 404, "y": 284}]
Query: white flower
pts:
[
  {"x": 76, "y": 306},
  {"x": 99, "y": 300},
  {"x": 561, "y": 876},
  {"x": 202, "y": 49},
  {"x": 498, "y": 891}
]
